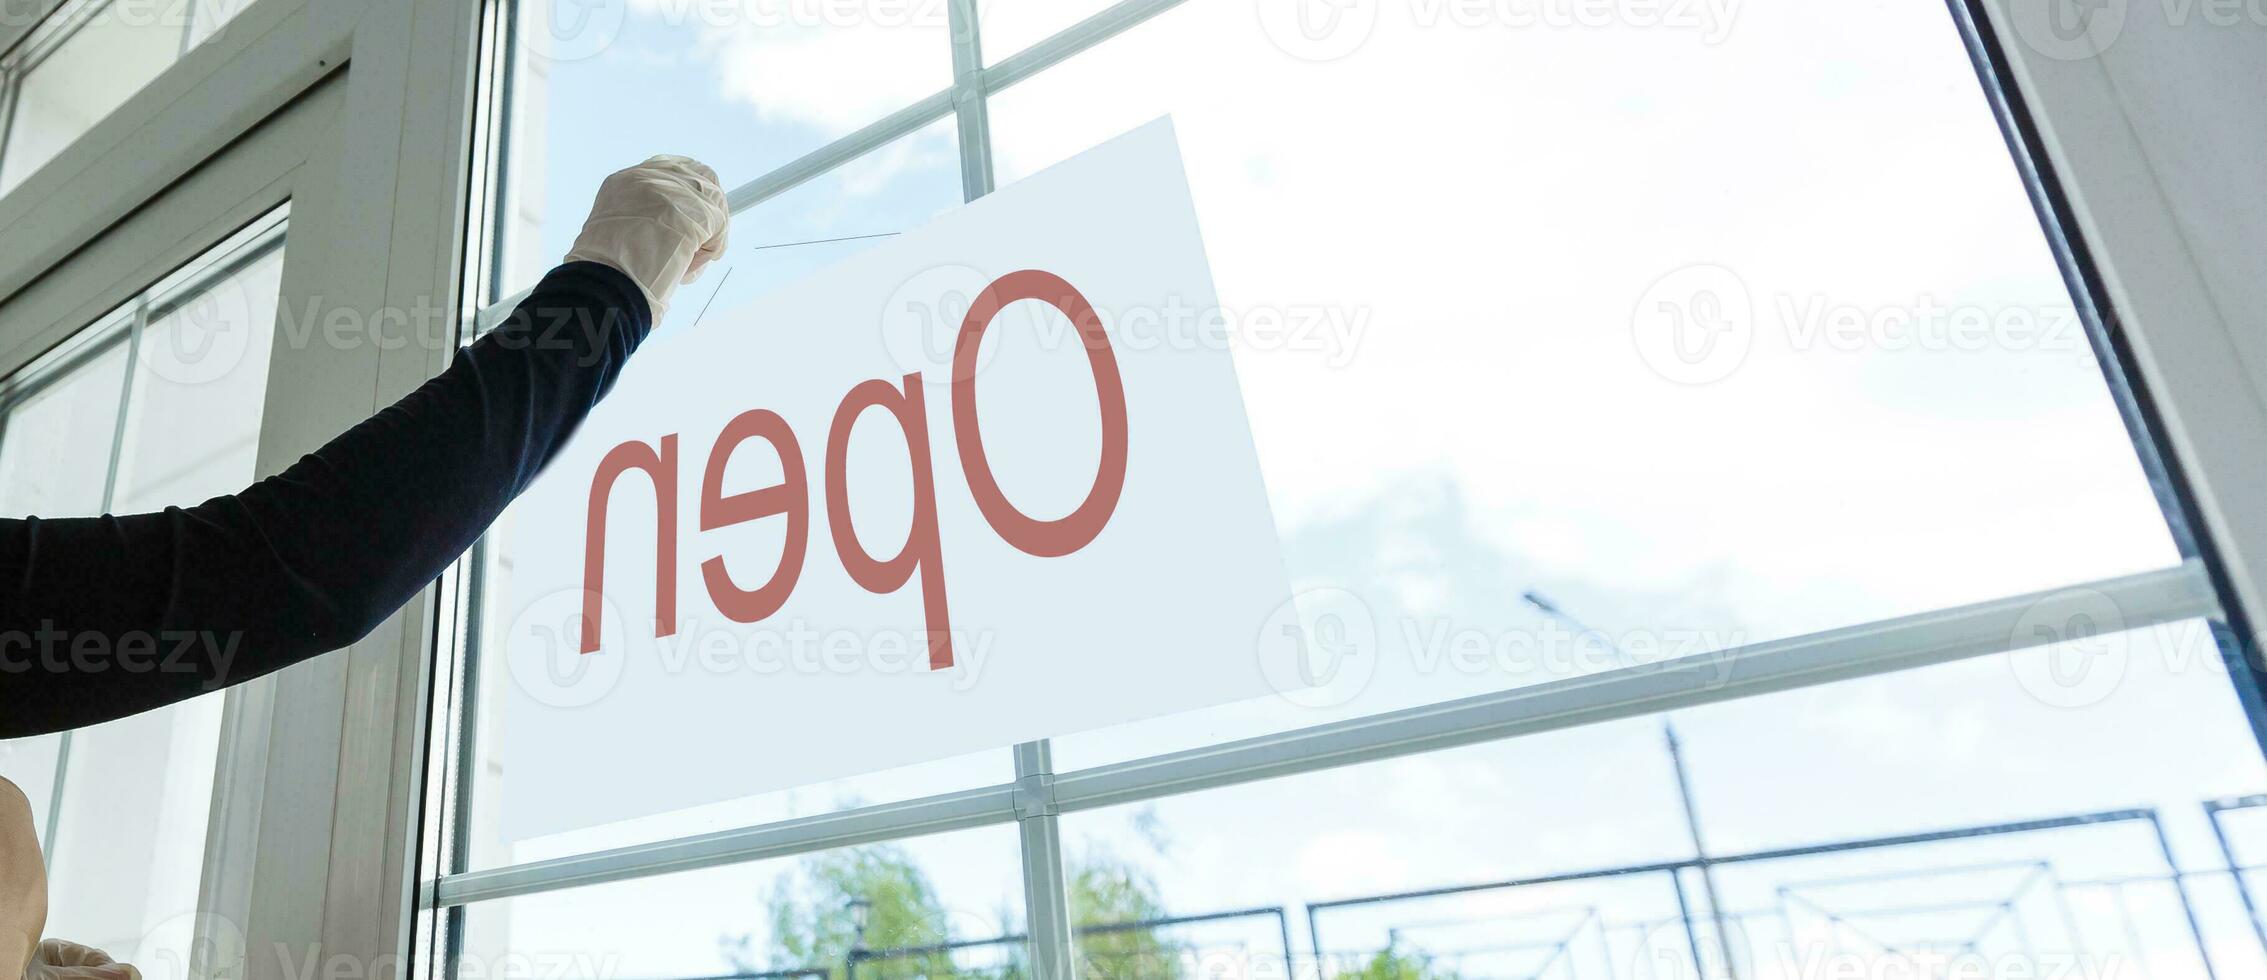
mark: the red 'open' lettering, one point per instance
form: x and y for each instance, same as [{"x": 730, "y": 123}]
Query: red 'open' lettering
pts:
[
  {"x": 920, "y": 553},
  {"x": 661, "y": 468},
  {"x": 790, "y": 497},
  {"x": 1047, "y": 539}
]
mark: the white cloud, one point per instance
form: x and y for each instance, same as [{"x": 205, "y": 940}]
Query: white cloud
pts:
[
  {"x": 835, "y": 66},
  {"x": 1496, "y": 199}
]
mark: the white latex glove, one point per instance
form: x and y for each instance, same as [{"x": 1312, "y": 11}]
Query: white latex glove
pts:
[
  {"x": 59, "y": 960},
  {"x": 659, "y": 222}
]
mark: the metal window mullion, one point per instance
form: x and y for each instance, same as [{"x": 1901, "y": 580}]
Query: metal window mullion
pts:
[
  {"x": 987, "y": 806},
  {"x": 11, "y": 79},
  {"x": 1046, "y": 893},
  {"x": 904, "y": 122},
  {"x": 970, "y": 110},
  {"x": 2143, "y": 600},
  {"x": 2170, "y": 595},
  {"x": 1072, "y": 40},
  {"x": 57, "y": 785}
]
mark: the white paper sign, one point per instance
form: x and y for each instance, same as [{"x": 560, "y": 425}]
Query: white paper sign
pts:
[{"x": 988, "y": 482}]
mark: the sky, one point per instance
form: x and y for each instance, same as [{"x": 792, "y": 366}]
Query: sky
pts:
[{"x": 1485, "y": 209}]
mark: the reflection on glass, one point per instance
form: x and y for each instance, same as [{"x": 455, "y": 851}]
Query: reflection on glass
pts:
[
  {"x": 55, "y": 441},
  {"x": 201, "y": 375},
  {"x": 1975, "y": 815},
  {"x": 944, "y": 906},
  {"x": 1448, "y": 255}
]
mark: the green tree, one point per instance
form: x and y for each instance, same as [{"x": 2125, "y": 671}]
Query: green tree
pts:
[
  {"x": 1392, "y": 964},
  {"x": 1109, "y": 898},
  {"x": 815, "y": 916},
  {"x": 815, "y": 913}
]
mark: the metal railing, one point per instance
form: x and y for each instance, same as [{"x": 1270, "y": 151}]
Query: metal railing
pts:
[
  {"x": 2034, "y": 914},
  {"x": 1147, "y": 962}
]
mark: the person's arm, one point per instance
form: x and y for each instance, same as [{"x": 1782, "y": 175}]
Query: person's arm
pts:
[{"x": 106, "y": 617}]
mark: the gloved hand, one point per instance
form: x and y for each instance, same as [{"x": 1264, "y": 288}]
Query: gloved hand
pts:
[
  {"x": 659, "y": 222},
  {"x": 59, "y": 960}
]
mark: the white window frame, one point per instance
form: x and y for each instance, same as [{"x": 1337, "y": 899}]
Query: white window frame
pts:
[
  {"x": 341, "y": 108},
  {"x": 2137, "y": 163},
  {"x": 362, "y": 115},
  {"x": 57, "y": 23}
]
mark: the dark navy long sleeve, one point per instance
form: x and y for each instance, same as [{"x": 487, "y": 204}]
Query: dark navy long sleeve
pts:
[{"x": 105, "y": 617}]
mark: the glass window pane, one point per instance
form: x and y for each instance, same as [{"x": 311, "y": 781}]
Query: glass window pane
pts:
[
  {"x": 129, "y": 841},
  {"x": 55, "y": 443},
  {"x": 201, "y": 373},
  {"x": 65, "y": 91},
  {"x": 1480, "y": 232},
  {"x": 836, "y": 215},
  {"x": 1976, "y": 744},
  {"x": 130, "y": 836},
  {"x": 743, "y": 87},
  {"x": 780, "y": 241},
  {"x": 772, "y": 918}
]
